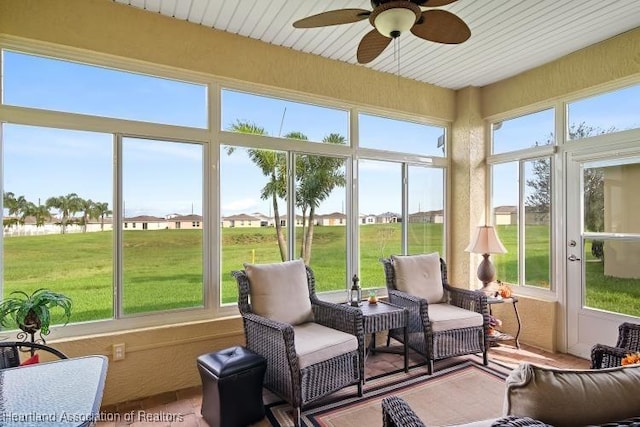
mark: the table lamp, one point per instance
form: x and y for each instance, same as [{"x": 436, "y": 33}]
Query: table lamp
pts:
[{"x": 486, "y": 242}]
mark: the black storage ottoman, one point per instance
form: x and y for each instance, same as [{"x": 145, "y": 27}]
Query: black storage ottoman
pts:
[{"x": 232, "y": 387}]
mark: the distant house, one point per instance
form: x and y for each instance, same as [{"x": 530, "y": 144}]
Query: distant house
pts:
[
  {"x": 284, "y": 219},
  {"x": 433, "y": 217},
  {"x": 241, "y": 220},
  {"x": 388, "y": 218},
  {"x": 335, "y": 218},
  {"x": 100, "y": 224},
  {"x": 184, "y": 222},
  {"x": 265, "y": 221},
  {"x": 505, "y": 215},
  {"x": 367, "y": 219},
  {"x": 144, "y": 222}
]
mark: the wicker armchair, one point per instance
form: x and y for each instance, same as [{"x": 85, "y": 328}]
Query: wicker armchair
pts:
[
  {"x": 427, "y": 334},
  {"x": 604, "y": 356},
  {"x": 10, "y": 352},
  {"x": 290, "y": 374}
]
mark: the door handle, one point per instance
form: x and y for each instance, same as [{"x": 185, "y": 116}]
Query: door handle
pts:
[{"x": 573, "y": 258}]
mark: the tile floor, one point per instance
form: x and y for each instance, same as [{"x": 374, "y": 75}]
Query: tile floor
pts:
[{"x": 182, "y": 408}]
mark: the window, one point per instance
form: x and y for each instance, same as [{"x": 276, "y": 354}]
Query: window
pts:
[
  {"x": 162, "y": 268},
  {"x": 531, "y": 130},
  {"x": 521, "y": 196},
  {"x": 426, "y": 210},
  {"x": 399, "y": 135},
  {"x": 586, "y": 118},
  {"x": 80, "y": 88},
  {"x": 250, "y": 113},
  {"x": 57, "y": 219}
]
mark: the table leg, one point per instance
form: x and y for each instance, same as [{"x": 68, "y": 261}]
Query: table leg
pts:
[
  {"x": 406, "y": 352},
  {"x": 515, "y": 309}
]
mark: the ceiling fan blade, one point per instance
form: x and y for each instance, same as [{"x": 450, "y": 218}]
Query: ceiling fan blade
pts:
[
  {"x": 371, "y": 45},
  {"x": 332, "y": 17},
  {"x": 441, "y": 26},
  {"x": 434, "y": 3}
]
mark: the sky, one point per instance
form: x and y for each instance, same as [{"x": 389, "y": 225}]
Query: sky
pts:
[{"x": 161, "y": 177}]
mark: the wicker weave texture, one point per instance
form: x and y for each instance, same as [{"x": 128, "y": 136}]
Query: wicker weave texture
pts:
[
  {"x": 604, "y": 356},
  {"x": 276, "y": 342},
  {"x": 439, "y": 345}
]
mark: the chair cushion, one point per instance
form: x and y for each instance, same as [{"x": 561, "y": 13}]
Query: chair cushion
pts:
[
  {"x": 444, "y": 317},
  {"x": 316, "y": 343},
  {"x": 280, "y": 291},
  {"x": 565, "y": 397},
  {"x": 419, "y": 275}
]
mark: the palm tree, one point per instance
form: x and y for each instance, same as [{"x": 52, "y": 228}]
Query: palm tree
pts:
[
  {"x": 273, "y": 165},
  {"x": 88, "y": 209},
  {"x": 101, "y": 209},
  {"x": 10, "y": 203},
  {"x": 39, "y": 212},
  {"x": 67, "y": 206},
  {"x": 316, "y": 177}
]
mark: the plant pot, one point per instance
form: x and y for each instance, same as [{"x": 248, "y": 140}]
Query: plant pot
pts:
[{"x": 31, "y": 324}]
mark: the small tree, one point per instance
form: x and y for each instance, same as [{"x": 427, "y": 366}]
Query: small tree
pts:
[{"x": 67, "y": 206}]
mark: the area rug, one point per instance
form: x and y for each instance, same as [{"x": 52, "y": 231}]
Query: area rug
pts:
[{"x": 461, "y": 390}]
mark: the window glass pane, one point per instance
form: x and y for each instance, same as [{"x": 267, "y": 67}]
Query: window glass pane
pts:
[
  {"x": 80, "y": 88},
  {"x": 321, "y": 221},
  {"x": 524, "y": 132},
  {"x": 380, "y": 203},
  {"x": 537, "y": 232},
  {"x": 504, "y": 208},
  {"x": 162, "y": 225},
  {"x": 426, "y": 210},
  {"x": 612, "y": 197},
  {"x": 282, "y": 118},
  {"x": 398, "y": 135},
  {"x": 253, "y": 191},
  {"x": 57, "y": 221},
  {"x": 612, "y": 275},
  {"x": 609, "y": 112}
]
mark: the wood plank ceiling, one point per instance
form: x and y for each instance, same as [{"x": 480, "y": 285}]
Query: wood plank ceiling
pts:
[{"x": 507, "y": 36}]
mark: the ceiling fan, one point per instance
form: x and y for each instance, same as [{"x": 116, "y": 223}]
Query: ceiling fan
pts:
[{"x": 392, "y": 18}]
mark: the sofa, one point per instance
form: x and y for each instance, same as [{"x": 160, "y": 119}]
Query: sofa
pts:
[{"x": 540, "y": 396}]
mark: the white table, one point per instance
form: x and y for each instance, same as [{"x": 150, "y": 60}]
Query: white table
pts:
[{"x": 66, "y": 392}]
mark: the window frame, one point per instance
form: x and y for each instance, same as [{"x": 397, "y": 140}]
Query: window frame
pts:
[
  {"x": 521, "y": 156},
  {"x": 210, "y": 138}
]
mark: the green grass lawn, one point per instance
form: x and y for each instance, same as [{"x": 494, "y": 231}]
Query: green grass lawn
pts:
[{"x": 163, "y": 268}]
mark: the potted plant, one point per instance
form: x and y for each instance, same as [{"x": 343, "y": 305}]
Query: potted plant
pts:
[{"x": 33, "y": 312}]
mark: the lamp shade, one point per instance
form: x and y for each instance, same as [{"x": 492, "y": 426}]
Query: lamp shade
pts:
[{"x": 486, "y": 241}]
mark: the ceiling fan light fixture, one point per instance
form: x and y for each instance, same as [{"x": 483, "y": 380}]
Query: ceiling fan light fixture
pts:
[{"x": 393, "y": 18}]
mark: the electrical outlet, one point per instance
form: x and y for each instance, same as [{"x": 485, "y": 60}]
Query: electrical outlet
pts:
[{"x": 118, "y": 351}]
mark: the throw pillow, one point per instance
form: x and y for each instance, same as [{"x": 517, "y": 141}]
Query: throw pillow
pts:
[
  {"x": 280, "y": 291},
  {"x": 573, "y": 397},
  {"x": 419, "y": 275}
]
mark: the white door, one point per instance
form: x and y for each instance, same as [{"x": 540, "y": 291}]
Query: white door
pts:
[{"x": 602, "y": 247}]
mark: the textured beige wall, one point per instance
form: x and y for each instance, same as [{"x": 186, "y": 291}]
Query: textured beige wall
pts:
[
  {"x": 112, "y": 28},
  {"x": 468, "y": 186},
  {"x": 157, "y": 360},
  {"x": 612, "y": 59}
]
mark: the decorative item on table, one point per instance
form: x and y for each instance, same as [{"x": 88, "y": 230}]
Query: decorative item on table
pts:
[
  {"x": 631, "y": 359},
  {"x": 486, "y": 242},
  {"x": 355, "y": 295},
  {"x": 373, "y": 298},
  {"x": 504, "y": 290}
]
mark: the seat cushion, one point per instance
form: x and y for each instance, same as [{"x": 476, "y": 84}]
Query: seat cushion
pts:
[
  {"x": 316, "y": 343},
  {"x": 566, "y": 397},
  {"x": 444, "y": 317},
  {"x": 280, "y": 291},
  {"x": 419, "y": 275}
]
